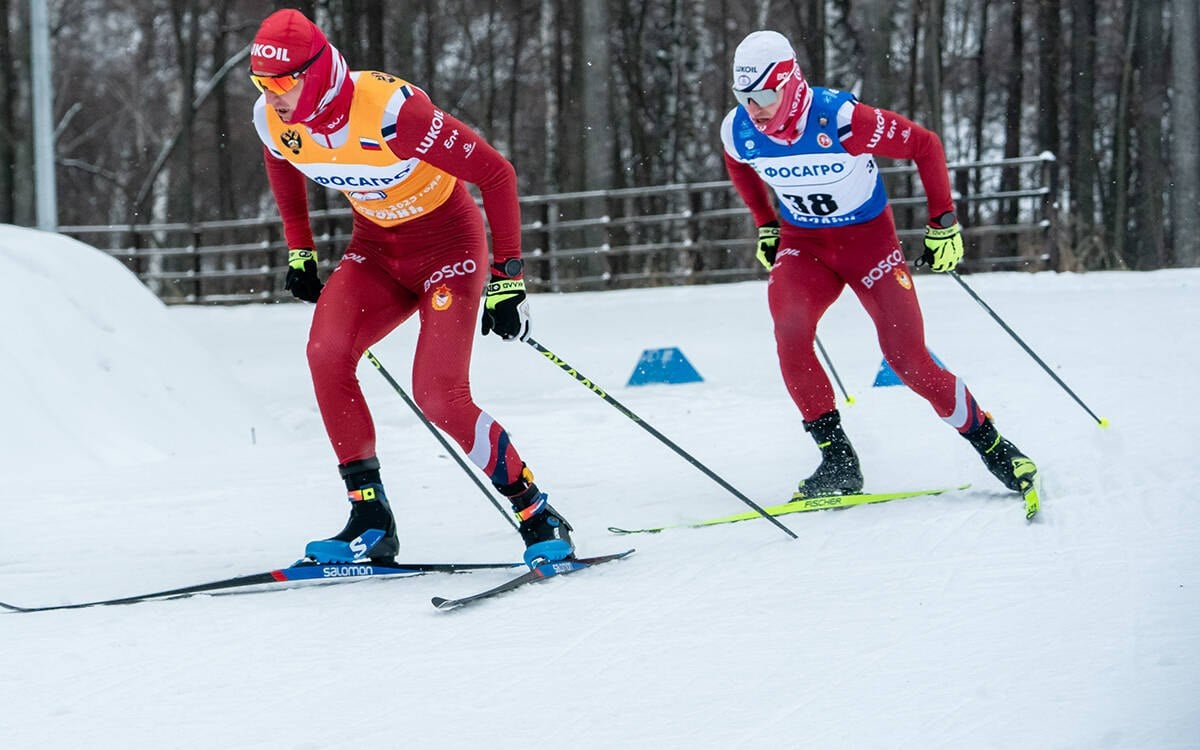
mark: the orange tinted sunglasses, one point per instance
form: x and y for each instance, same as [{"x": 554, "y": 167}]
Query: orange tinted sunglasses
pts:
[{"x": 281, "y": 84}]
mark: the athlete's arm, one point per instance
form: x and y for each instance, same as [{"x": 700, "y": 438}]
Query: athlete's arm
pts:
[
  {"x": 752, "y": 189},
  {"x": 458, "y": 150},
  {"x": 867, "y": 129},
  {"x": 291, "y": 195}
]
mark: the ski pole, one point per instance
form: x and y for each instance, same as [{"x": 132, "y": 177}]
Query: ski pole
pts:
[
  {"x": 591, "y": 386},
  {"x": 833, "y": 370},
  {"x": 441, "y": 439},
  {"x": 1099, "y": 420}
]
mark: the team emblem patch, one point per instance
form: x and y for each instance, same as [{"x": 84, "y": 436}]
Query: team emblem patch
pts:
[
  {"x": 442, "y": 298},
  {"x": 824, "y": 141},
  {"x": 291, "y": 140},
  {"x": 903, "y": 278}
]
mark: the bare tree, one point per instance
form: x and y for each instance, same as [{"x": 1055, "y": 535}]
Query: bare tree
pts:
[
  {"x": 1185, "y": 132},
  {"x": 931, "y": 64},
  {"x": 1150, "y": 206},
  {"x": 1116, "y": 200},
  {"x": 1014, "y": 113},
  {"x": 8, "y": 129},
  {"x": 1081, "y": 125},
  {"x": 629, "y": 92}
]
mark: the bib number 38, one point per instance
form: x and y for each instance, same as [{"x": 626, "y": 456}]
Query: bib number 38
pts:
[{"x": 814, "y": 204}]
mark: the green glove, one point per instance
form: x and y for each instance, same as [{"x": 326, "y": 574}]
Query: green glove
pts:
[
  {"x": 505, "y": 309},
  {"x": 943, "y": 244},
  {"x": 768, "y": 244},
  {"x": 302, "y": 280}
]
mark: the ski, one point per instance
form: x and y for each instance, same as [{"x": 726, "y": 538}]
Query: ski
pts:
[
  {"x": 801, "y": 505},
  {"x": 537, "y": 573},
  {"x": 301, "y": 572}
]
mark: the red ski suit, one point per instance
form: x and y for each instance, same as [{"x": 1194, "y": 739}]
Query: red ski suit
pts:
[
  {"x": 836, "y": 231},
  {"x": 418, "y": 246}
]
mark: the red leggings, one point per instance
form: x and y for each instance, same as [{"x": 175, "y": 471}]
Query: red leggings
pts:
[
  {"x": 811, "y": 269},
  {"x": 435, "y": 266}
]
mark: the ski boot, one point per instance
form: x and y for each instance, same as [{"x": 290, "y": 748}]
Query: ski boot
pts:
[
  {"x": 839, "y": 472},
  {"x": 1006, "y": 462},
  {"x": 547, "y": 534},
  {"x": 371, "y": 531}
]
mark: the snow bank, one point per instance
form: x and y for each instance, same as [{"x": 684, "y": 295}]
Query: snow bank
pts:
[{"x": 94, "y": 371}]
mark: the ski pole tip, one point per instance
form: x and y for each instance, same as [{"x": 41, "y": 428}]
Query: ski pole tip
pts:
[{"x": 1104, "y": 423}]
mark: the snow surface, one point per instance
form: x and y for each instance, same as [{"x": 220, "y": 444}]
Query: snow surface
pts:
[{"x": 144, "y": 448}]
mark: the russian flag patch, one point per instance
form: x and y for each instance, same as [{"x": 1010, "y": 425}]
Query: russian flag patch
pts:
[{"x": 369, "y": 145}]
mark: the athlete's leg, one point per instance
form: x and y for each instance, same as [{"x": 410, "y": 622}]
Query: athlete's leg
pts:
[
  {"x": 450, "y": 289},
  {"x": 873, "y": 264},
  {"x": 449, "y": 278},
  {"x": 800, "y": 291},
  {"x": 360, "y": 304}
]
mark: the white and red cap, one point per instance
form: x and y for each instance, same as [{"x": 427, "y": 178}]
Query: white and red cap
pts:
[{"x": 764, "y": 60}]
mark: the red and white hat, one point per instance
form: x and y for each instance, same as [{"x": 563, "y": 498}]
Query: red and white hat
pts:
[
  {"x": 284, "y": 43},
  {"x": 764, "y": 60}
]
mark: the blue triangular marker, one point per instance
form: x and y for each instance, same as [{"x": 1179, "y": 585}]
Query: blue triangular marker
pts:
[
  {"x": 664, "y": 366},
  {"x": 887, "y": 376}
]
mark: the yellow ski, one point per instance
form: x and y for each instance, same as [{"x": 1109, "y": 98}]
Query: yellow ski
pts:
[{"x": 801, "y": 505}]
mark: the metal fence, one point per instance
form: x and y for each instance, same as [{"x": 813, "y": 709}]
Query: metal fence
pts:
[{"x": 684, "y": 233}]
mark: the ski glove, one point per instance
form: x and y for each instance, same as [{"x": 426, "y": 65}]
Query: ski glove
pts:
[
  {"x": 302, "y": 280},
  {"x": 768, "y": 244},
  {"x": 943, "y": 244},
  {"x": 505, "y": 309}
]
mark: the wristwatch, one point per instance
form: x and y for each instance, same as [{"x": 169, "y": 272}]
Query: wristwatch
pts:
[
  {"x": 511, "y": 268},
  {"x": 945, "y": 220}
]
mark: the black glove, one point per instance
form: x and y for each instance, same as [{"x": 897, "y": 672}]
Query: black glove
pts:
[
  {"x": 505, "y": 309},
  {"x": 768, "y": 244},
  {"x": 302, "y": 280}
]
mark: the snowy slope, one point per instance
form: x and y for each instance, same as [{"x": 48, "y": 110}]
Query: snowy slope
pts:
[
  {"x": 95, "y": 367},
  {"x": 936, "y": 623}
]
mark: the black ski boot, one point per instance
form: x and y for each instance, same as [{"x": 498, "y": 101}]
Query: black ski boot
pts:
[
  {"x": 1006, "y": 462},
  {"x": 547, "y": 534},
  {"x": 839, "y": 472},
  {"x": 371, "y": 530}
]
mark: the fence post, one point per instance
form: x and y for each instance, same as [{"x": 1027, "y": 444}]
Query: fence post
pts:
[
  {"x": 1050, "y": 208},
  {"x": 197, "y": 263},
  {"x": 552, "y": 243}
]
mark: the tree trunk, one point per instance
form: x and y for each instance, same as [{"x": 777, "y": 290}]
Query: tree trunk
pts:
[
  {"x": 1049, "y": 22},
  {"x": 874, "y": 31},
  {"x": 375, "y": 49},
  {"x": 810, "y": 19},
  {"x": 596, "y": 173},
  {"x": 185, "y": 26},
  {"x": 1150, "y": 250},
  {"x": 981, "y": 89},
  {"x": 1117, "y": 205},
  {"x": 1081, "y": 127},
  {"x": 1185, "y": 133},
  {"x": 548, "y": 39},
  {"x": 931, "y": 64},
  {"x": 1014, "y": 114},
  {"x": 226, "y": 205},
  {"x": 8, "y": 121}
]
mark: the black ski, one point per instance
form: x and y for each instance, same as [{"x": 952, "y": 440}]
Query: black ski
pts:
[
  {"x": 539, "y": 573},
  {"x": 302, "y": 572}
]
